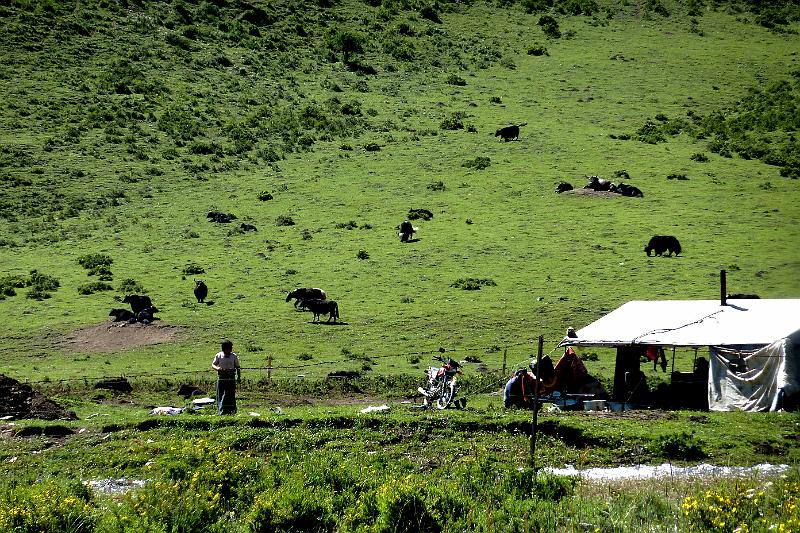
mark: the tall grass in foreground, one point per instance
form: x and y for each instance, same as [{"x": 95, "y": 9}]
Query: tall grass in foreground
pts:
[{"x": 200, "y": 486}]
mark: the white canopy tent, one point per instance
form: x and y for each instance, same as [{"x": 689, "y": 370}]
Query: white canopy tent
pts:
[
  {"x": 754, "y": 344},
  {"x": 693, "y": 323}
]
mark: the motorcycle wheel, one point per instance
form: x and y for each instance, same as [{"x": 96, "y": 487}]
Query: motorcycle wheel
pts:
[{"x": 447, "y": 396}]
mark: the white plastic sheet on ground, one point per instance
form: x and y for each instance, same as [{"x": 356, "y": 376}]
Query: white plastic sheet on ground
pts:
[{"x": 665, "y": 470}]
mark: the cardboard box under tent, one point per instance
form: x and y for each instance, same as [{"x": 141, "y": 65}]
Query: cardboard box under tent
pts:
[{"x": 754, "y": 349}]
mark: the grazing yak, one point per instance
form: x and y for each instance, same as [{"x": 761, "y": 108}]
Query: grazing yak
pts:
[
  {"x": 509, "y": 133},
  {"x": 663, "y": 243},
  {"x": 137, "y": 302},
  {"x": 122, "y": 315},
  {"x": 564, "y": 187},
  {"x": 322, "y": 307},
  {"x": 200, "y": 290},
  {"x": 248, "y": 227},
  {"x": 301, "y": 294}
]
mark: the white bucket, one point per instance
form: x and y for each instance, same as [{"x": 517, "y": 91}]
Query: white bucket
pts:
[{"x": 594, "y": 405}]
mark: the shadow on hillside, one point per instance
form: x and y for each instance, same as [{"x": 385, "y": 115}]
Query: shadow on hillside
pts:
[{"x": 330, "y": 323}]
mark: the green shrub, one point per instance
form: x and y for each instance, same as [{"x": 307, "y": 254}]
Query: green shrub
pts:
[
  {"x": 536, "y": 6},
  {"x": 284, "y": 220},
  {"x": 372, "y": 147},
  {"x": 94, "y": 261},
  {"x": 362, "y": 254},
  {"x": 93, "y": 287},
  {"x": 436, "y": 186},
  {"x": 479, "y": 163},
  {"x": 351, "y": 224},
  {"x": 537, "y": 50},
  {"x": 549, "y": 26},
  {"x": 192, "y": 269},
  {"x": 699, "y": 157},
  {"x": 682, "y": 446},
  {"x": 454, "y": 79},
  {"x": 43, "y": 282},
  {"x": 676, "y": 176},
  {"x": 48, "y": 506},
  {"x": 650, "y": 133},
  {"x": 131, "y": 286},
  {"x": 472, "y": 284}
]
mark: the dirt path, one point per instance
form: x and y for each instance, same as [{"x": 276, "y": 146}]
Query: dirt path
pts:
[{"x": 116, "y": 336}]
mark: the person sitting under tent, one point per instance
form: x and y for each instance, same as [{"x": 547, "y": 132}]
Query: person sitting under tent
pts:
[
  {"x": 572, "y": 377},
  {"x": 519, "y": 390}
]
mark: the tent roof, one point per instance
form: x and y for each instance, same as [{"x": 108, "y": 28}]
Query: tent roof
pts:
[{"x": 693, "y": 323}]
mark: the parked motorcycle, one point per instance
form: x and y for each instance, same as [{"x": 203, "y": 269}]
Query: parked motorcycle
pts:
[{"x": 441, "y": 386}]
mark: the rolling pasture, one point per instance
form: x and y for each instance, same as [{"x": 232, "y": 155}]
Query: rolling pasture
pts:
[
  {"x": 120, "y": 134},
  {"x": 124, "y": 123}
]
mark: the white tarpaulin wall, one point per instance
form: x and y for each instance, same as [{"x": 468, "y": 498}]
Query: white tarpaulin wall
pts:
[{"x": 753, "y": 380}]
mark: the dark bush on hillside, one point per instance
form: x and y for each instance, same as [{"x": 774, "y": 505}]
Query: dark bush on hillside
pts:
[
  {"x": 345, "y": 42},
  {"x": 43, "y": 282},
  {"x": 655, "y": 6},
  {"x": 495, "y": 100},
  {"x": 549, "y": 26},
  {"x": 699, "y": 157},
  {"x": 284, "y": 220},
  {"x": 455, "y": 79},
  {"x": 479, "y": 163},
  {"x": 431, "y": 12},
  {"x": 453, "y": 122},
  {"x": 536, "y": 6},
  {"x": 372, "y": 147},
  {"x": 362, "y": 254},
  {"x": 472, "y": 284},
  {"x": 577, "y": 7},
  {"x": 193, "y": 269},
  {"x": 436, "y": 186},
  {"x": 93, "y": 287},
  {"x": 676, "y": 176},
  {"x": 131, "y": 286},
  {"x": 621, "y": 175},
  {"x": 93, "y": 262},
  {"x": 650, "y": 133},
  {"x": 399, "y": 47},
  {"x": 351, "y": 224},
  {"x": 538, "y": 50},
  {"x": 264, "y": 196}
]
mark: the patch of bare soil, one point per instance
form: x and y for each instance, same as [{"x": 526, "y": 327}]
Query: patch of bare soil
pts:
[
  {"x": 592, "y": 192},
  {"x": 117, "y": 336},
  {"x": 19, "y": 400}
]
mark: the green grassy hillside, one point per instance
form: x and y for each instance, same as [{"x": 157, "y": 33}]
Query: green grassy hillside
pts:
[{"x": 122, "y": 124}]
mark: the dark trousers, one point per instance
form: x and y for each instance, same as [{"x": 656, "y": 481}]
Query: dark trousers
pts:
[{"x": 226, "y": 392}]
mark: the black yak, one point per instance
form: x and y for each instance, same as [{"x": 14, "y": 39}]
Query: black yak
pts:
[
  {"x": 200, "y": 290},
  {"x": 137, "y": 302},
  {"x": 663, "y": 243},
  {"x": 509, "y": 133},
  {"x": 301, "y": 294},
  {"x": 322, "y": 307}
]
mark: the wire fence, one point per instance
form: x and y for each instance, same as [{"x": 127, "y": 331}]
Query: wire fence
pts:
[{"x": 274, "y": 369}]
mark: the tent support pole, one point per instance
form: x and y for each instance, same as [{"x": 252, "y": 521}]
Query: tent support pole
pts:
[
  {"x": 535, "y": 421},
  {"x": 673, "y": 359}
]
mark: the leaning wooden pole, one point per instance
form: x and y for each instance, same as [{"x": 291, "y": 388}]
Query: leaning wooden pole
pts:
[{"x": 534, "y": 424}]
